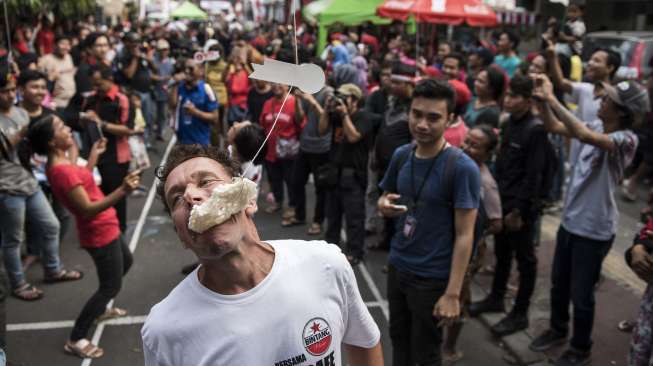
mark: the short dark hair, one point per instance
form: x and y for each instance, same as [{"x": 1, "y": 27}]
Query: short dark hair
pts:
[
  {"x": 247, "y": 142},
  {"x": 512, "y": 36},
  {"x": 40, "y": 133},
  {"x": 436, "y": 89},
  {"x": 457, "y": 56},
  {"x": 614, "y": 59},
  {"x": 61, "y": 37},
  {"x": 486, "y": 56},
  {"x": 492, "y": 137},
  {"x": 182, "y": 153},
  {"x": 30, "y": 75},
  {"x": 105, "y": 71},
  {"x": 89, "y": 41},
  {"x": 496, "y": 80},
  {"x": 522, "y": 85}
]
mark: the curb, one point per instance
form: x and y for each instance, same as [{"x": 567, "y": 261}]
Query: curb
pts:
[{"x": 516, "y": 345}]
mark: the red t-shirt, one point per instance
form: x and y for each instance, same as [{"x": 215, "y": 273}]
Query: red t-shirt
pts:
[
  {"x": 94, "y": 232},
  {"x": 455, "y": 134},
  {"x": 45, "y": 39},
  {"x": 286, "y": 126},
  {"x": 238, "y": 87}
]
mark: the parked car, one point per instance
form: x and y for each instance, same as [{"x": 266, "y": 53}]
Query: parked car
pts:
[{"x": 636, "y": 49}]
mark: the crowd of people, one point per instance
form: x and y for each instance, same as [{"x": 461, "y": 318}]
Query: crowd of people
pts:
[{"x": 442, "y": 156}]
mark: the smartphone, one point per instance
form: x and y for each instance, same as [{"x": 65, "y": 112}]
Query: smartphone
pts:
[{"x": 94, "y": 132}]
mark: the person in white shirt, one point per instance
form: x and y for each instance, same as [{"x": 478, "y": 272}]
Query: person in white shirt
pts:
[{"x": 252, "y": 302}]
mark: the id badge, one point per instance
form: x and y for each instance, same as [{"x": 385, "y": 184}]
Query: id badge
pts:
[{"x": 409, "y": 226}]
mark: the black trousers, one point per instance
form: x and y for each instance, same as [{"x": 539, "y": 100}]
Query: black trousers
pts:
[
  {"x": 305, "y": 164},
  {"x": 4, "y": 291},
  {"x": 112, "y": 177},
  {"x": 576, "y": 269},
  {"x": 520, "y": 245},
  {"x": 347, "y": 198},
  {"x": 416, "y": 337},
  {"x": 111, "y": 262},
  {"x": 280, "y": 173}
]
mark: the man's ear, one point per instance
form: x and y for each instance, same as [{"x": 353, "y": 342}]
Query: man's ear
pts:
[
  {"x": 451, "y": 119},
  {"x": 252, "y": 208}
]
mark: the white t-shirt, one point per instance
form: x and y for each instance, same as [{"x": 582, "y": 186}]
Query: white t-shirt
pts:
[
  {"x": 300, "y": 313},
  {"x": 582, "y": 94}
]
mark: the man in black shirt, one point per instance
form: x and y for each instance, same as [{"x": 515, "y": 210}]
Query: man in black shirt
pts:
[
  {"x": 350, "y": 130},
  {"x": 137, "y": 72},
  {"x": 393, "y": 131},
  {"x": 256, "y": 98},
  {"x": 520, "y": 170}
]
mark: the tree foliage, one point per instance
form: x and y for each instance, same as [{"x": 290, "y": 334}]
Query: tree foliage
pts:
[{"x": 60, "y": 8}]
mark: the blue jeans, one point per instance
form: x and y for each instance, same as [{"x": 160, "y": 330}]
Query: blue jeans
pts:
[
  {"x": 148, "y": 107},
  {"x": 576, "y": 269},
  {"x": 31, "y": 215}
]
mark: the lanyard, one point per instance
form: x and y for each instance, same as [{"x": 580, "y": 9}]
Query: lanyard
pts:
[{"x": 426, "y": 176}]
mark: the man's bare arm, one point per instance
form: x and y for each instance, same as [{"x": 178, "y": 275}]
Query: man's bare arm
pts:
[{"x": 359, "y": 356}]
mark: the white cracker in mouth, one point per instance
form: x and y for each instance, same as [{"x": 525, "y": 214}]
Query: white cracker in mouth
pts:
[{"x": 225, "y": 201}]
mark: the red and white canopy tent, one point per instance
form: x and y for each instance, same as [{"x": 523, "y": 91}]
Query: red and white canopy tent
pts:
[{"x": 451, "y": 12}]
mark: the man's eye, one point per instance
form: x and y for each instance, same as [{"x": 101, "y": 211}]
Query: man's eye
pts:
[{"x": 205, "y": 182}]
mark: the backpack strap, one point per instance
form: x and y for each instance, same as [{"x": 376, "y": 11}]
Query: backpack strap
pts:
[
  {"x": 404, "y": 157},
  {"x": 449, "y": 174}
]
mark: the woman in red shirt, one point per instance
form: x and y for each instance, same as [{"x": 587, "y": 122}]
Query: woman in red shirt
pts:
[
  {"x": 282, "y": 147},
  {"x": 97, "y": 223}
]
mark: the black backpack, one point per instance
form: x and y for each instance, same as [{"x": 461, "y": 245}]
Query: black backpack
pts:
[{"x": 448, "y": 182}]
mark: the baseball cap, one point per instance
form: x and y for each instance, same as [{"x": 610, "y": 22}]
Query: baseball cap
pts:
[
  {"x": 629, "y": 95},
  {"x": 162, "y": 44},
  {"x": 350, "y": 90}
]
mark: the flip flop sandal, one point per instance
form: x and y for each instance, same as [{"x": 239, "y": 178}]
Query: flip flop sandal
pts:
[
  {"x": 63, "y": 276},
  {"x": 27, "y": 292},
  {"x": 83, "y": 348},
  {"x": 272, "y": 209},
  {"x": 288, "y": 214},
  {"x": 111, "y": 314},
  {"x": 451, "y": 358},
  {"x": 315, "y": 229},
  {"x": 626, "y": 326},
  {"x": 291, "y": 221}
]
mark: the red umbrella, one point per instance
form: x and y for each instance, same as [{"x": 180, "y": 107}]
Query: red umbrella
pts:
[{"x": 453, "y": 12}]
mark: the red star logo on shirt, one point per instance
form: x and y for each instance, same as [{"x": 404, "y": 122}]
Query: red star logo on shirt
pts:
[{"x": 315, "y": 327}]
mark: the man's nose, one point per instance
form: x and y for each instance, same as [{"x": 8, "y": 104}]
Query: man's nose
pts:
[{"x": 193, "y": 195}]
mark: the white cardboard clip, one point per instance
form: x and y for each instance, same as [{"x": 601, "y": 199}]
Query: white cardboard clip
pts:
[{"x": 307, "y": 77}]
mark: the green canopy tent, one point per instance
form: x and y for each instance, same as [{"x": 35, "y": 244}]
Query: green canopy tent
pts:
[
  {"x": 188, "y": 10},
  {"x": 324, "y": 13}
]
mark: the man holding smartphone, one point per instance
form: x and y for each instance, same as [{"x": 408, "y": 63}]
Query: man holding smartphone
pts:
[{"x": 435, "y": 227}]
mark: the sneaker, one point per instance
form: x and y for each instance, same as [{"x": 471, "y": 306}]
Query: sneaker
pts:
[
  {"x": 574, "y": 357},
  {"x": 547, "y": 340},
  {"x": 512, "y": 323},
  {"x": 488, "y": 305}
]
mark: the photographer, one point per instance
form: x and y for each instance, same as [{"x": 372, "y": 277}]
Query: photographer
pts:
[
  {"x": 137, "y": 72},
  {"x": 346, "y": 177}
]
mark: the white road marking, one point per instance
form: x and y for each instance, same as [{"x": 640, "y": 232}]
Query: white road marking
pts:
[
  {"x": 134, "y": 241},
  {"x": 127, "y": 320},
  {"x": 370, "y": 282}
]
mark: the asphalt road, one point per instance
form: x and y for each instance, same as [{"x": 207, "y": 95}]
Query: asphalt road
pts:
[{"x": 37, "y": 331}]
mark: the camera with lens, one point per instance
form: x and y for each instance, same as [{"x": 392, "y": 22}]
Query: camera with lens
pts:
[{"x": 335, "y": 101}]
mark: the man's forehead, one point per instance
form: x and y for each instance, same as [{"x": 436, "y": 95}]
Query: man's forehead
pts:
[
  {"x": 427, "y": 105},
  {"x": 192, "y": 167}
]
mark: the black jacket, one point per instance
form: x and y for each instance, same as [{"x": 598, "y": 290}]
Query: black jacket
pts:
[{"x": 520, "y": 165}]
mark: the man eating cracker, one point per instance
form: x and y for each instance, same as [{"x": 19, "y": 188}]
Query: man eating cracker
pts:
[{"x": 250, "y": 302}]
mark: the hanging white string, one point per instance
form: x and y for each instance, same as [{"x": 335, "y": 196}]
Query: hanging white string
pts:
[{"x": 284, "y": 99}]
